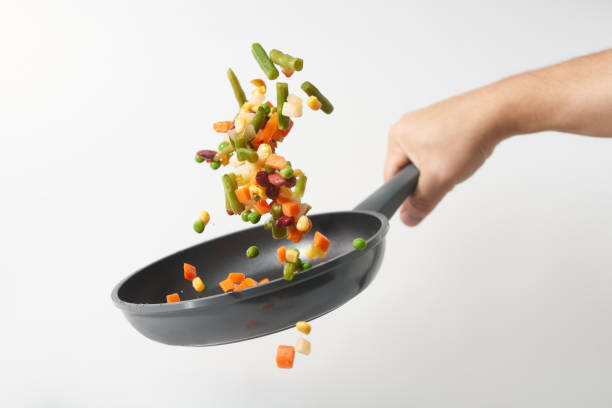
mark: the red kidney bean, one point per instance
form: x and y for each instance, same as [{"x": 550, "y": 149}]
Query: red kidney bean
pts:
[
  {"x": 272, "y": 191},
  {"x": 229, "y": 212},
  {"x": 284, "y": 221},
  {"x": 276, "y": 179},
  {"x": 207, "y": 154},
  {"x": 262, "y": 179},
  {"x": 291, "y": 182}
]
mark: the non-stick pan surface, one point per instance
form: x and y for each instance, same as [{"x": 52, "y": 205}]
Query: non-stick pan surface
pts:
[{"x": 213, "y": 317}]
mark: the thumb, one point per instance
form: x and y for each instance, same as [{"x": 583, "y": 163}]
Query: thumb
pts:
[{"x": 426, "y": 196}]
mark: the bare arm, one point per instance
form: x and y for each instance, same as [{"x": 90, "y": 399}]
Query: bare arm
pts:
[{"x": 450, "y": 140}]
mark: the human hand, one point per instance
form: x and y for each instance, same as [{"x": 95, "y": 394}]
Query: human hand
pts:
[{"x": 447, "y": 142}]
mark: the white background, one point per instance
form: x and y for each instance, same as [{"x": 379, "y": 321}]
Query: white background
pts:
[{"x": 501, "y": 298}]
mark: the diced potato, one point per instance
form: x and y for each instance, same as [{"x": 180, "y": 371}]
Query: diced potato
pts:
[
  {"x": 294, "y": 99},
  {"x": 292, "y": 255},
  {"x": 303, "y": 346},
  {"x": 257, "y": 99},
  {"x": 292, "y": 110},
  {"x": 263, "y": 151}
]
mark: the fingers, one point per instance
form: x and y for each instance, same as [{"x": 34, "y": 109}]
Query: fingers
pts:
[
  {"x": 395, "y": 160},
  {"x": 427, "y": 195}
]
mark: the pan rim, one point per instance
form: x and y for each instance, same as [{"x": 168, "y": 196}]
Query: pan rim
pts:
[{"x": 221, "y": 299}]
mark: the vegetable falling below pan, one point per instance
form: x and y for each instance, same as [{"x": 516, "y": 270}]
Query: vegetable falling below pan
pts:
[{"x": 213, "y": 317}]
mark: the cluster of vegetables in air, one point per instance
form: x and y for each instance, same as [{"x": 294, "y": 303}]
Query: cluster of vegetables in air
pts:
[
  {"x": 263, "y": 181},
  {"x": 286, "y": 354}
]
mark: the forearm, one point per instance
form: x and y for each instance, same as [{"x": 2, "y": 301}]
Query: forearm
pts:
[{"x": 573, "y": 97}]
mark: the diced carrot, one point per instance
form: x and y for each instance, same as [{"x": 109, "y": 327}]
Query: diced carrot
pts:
[
  {"x": 235, "y": 277},
  {"x": 269, "y": 104},
  {"x": 270, "y": 129},
  {"x": 173, "y": 298},
  {"x": 294, "y": 235},
  {"x": 283, "y": 199},
  {"x": 243, "y": 194},
  {"x": 285, "y": 356},
  {"x": 189, "y": 271},
  {"x": 291, "y": 208},
  {"x": 222, "y": 127},
  {"x": 321, "y": 241},
  {"x": 247, "y": 283},
  {"x": 276, "y": 162},
  {"x": 226, "y": 285},
  {"x": 263, "y": 281},
  {"x": 285, "y": 132},
  {"x": 280, "y": 252},
  {"x": 288, "y": 72},
  {"x": 262, "y": 207}
]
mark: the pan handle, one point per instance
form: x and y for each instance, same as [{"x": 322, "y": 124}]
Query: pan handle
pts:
[{"x": 387, "y": 199}]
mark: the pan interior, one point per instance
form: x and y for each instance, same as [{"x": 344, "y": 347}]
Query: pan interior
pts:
[{"x": 216, "y": 258}]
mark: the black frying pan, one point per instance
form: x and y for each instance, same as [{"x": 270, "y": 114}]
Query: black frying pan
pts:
[{"x": 213, "y": 317}]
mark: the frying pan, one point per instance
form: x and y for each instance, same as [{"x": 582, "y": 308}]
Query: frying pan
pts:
[{"x": 212, "y": 317}]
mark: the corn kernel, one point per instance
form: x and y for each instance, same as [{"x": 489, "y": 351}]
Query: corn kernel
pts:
[
  {"x": 198, "y": 285},
  {"x": 304, "y": 327},
  {"x": 298, "y": 173},
  {"x": 291, "y": 255},
  {"x": 303, "y": 346},
  {"x": 303, "y": 223},
  {"x": 205, "y": 217},
  {"x": 240, "y": 124},
  {"x": 318, "y": 252},
  {"x": 224, "y": 160},
  {"x": 263, "y": 151},
  {"x": 257, "y": 191},
  {"x": 260, "y": 85},
  {"x": 246, "y": 107},
  {"x": 313, "y": 103}
]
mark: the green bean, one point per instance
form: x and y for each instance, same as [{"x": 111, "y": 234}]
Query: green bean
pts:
[
  {"x": 222, "y": 145},
  {"x": 198, "y": 226},
  {"x": 311, "y": 90},
  {"x": 286, "y": 61},
  {"x": 247, "y": 154},
  {"x": 240, "y": 141},
  {"x": 266, "y": 108},
  {"x": 282, "y": 90},
  {"x": 276, "y": 211},
  {"x": 254, "y": 217},
  {"x": 199, "y": 159},
  {"x": 359, "y": 243},
  {"x": 307, "y": 207},
  {"x": 232, "y": 177},
  {"x": 300, "y": 187},
  {"x": 227, "y": 149},
  {"x": 264, "y": 62},
  {"x": 228, "y": 207},
  {"x": 238, "y": 92},
  {"x": 259, "y": 118},
  {"x": 289, "y": 271},
  {"x": 228, "y": 186},
  {"x": 287, "y": 172},
  {"x": 252, "y": 251},
  {"x": 279, "y": 232}
]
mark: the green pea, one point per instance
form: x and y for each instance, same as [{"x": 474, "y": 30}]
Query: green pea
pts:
[
  {"x": 252, "y": 252},
  {"x": 287, "y": 172},
  {"x": 276, "y": 211},
  {"x": 254, "y": 217},
  {"x": 223, "y": 145},
  {"x": 199, "y": 159},
  {"x": 245, "y": 216},
  {"x": 306, "y": 265},
  {"x": 359, "y": 243},
  {"x": 215, "y": 164},
  {"x": 298, "y": 264},
  {"x": 289, "y": 271},
  {"x": 198, "y": 226},
  {"x": 269, "y": 223}
]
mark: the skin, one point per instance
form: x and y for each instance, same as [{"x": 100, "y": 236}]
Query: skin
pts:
[{"x": 450, "y": 140}]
